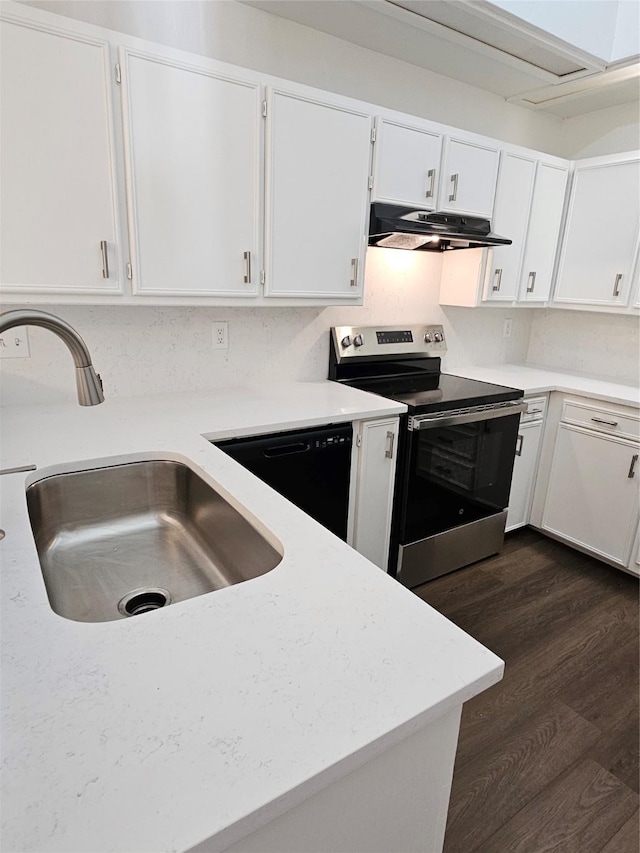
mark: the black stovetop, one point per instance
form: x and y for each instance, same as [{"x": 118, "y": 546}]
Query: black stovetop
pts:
[
  {"x": 437, "y": 392},
  {"x": 403, "y": 363}
]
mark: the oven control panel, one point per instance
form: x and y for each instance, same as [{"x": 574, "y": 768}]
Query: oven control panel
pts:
[{"x": 361, "y": 341}]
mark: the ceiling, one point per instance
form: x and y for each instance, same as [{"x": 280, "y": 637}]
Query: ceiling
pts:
[{"x": 475, "y": 42}]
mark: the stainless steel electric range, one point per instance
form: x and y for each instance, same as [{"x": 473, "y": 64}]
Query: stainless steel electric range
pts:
[{"x": 456, "y": 449}]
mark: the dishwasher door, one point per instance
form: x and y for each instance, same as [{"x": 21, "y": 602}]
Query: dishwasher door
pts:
[{"x": 309, "y": 467}]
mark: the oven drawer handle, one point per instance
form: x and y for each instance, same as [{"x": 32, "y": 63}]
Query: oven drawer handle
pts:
[{"x": 447, "y": 418}]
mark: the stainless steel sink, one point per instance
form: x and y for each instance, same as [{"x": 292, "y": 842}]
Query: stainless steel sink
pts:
[{"x": 126, "y": 539}]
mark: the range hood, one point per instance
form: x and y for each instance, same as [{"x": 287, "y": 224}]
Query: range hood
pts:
[{"x": 395, "y": 226}]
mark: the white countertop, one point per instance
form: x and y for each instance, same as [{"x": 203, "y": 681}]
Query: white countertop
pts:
[
  {"x": 212, "y": 716},
  {"x": 538, "y": 380}
]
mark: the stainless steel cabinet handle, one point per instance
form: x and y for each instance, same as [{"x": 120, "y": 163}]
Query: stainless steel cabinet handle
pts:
[
  {"x": 616, "y": 286},
  {"x": 354, "y": 267},
  {"x": 532, "y": 282},
  {"x": 105, "y": 259},
  {"x": 608, "y": 423},
  {"x": 519, "y": 445},
  {"x": 533, "y": 411},
  {"x": 497, "y": 274},
  {"x": 431, "y": 174},
  {"x": 632, "y": 467},
  {"x": 388, "y": 454},
  {"x": 454, "y": 194},
  {"x": 247, "y": 260}
]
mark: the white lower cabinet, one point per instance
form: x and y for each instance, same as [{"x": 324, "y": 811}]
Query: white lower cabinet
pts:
[
  {"x": 592, "y": 492},
  {"x": 375, "y": 455},
  {"x": 526, "y": 463},
  {"x": 397, "y": 800},
  {"x": 633, "y": 566}
]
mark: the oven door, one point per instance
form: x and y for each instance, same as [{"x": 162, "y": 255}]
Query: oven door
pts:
[{"x": 458, "y": 471}]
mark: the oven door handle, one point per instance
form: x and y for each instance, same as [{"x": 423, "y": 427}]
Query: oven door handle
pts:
[{"x": 441, "y": 419}]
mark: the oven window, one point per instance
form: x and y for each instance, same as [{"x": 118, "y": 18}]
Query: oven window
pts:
[{"x": 458, "y": 474}]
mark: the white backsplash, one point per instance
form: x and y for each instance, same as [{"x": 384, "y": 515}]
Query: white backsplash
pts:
[
  {"x": 145, "y": 350},
  {"x": 587, "y": 342}
]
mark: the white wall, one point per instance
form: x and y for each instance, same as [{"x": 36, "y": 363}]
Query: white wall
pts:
[
  {"x": 152, "y": 350},
  {"x": 610, "y": 131}
]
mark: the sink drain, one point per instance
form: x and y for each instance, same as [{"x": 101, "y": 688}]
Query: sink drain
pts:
[{"x": 143, "y": 600}]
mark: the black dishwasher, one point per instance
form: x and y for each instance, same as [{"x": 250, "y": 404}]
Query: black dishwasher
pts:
[{"x": 309, "y": 467}]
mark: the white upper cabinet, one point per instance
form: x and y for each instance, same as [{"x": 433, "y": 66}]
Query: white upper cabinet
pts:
[
  {"x": 513, "y": 200},
  {"x": 57, "y": 190},
  {"x": 237, "y": 186},
  {"x": 528, "y": 210},
  {"x": 318, "y": 158},
  {"x": 469, "y": 177},
  {"x": 192, "y": 141},
  {"x": 543, "y": 232},
  {"x": 407, "y": 164},
  {"x": 600, "y": 242}
]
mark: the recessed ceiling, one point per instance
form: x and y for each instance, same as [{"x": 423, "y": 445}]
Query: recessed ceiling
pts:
[
  {"x": 493, "y": 30},
  {"x": 477, "y": 43}
]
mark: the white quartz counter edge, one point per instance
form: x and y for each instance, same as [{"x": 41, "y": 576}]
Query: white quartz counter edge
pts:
[
  {"x": 209, "y": 718},
  {"x": 539, "y": 380}
]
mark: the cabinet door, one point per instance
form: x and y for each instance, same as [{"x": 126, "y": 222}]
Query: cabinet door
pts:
[
  {"x": 592, "y": 496},
  {"x": 58, "y": 227},
  {"x": 192, "y": 141},
  {"x": 634, "y": 561},
  {"x": 407, "y": 164},
  {"x": 317, "y": 197},
  {"x": 513, "y": 200},
  {"x": 524, "y": 473},
  {"x": 469, "y": 177},
  {"x": 543, "y": 233},
  {"x": 601, "y": 235},
  {"x": 374, "y": 489}
]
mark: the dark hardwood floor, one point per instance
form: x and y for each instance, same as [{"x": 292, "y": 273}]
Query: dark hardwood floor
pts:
[{"x": 548, "y": 758}]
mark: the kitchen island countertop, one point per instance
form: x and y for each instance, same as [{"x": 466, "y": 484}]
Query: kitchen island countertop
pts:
[{"x": 206, "y": 719}]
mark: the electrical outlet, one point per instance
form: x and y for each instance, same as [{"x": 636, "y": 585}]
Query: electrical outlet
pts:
[
  {"x": 14, "y": 343},
  {"x": 506, "y": 329},
  {"x": 220, "y": 335}
]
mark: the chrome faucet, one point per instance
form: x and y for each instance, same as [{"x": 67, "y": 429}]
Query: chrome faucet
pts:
[{"x": 88, "y": 381}]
